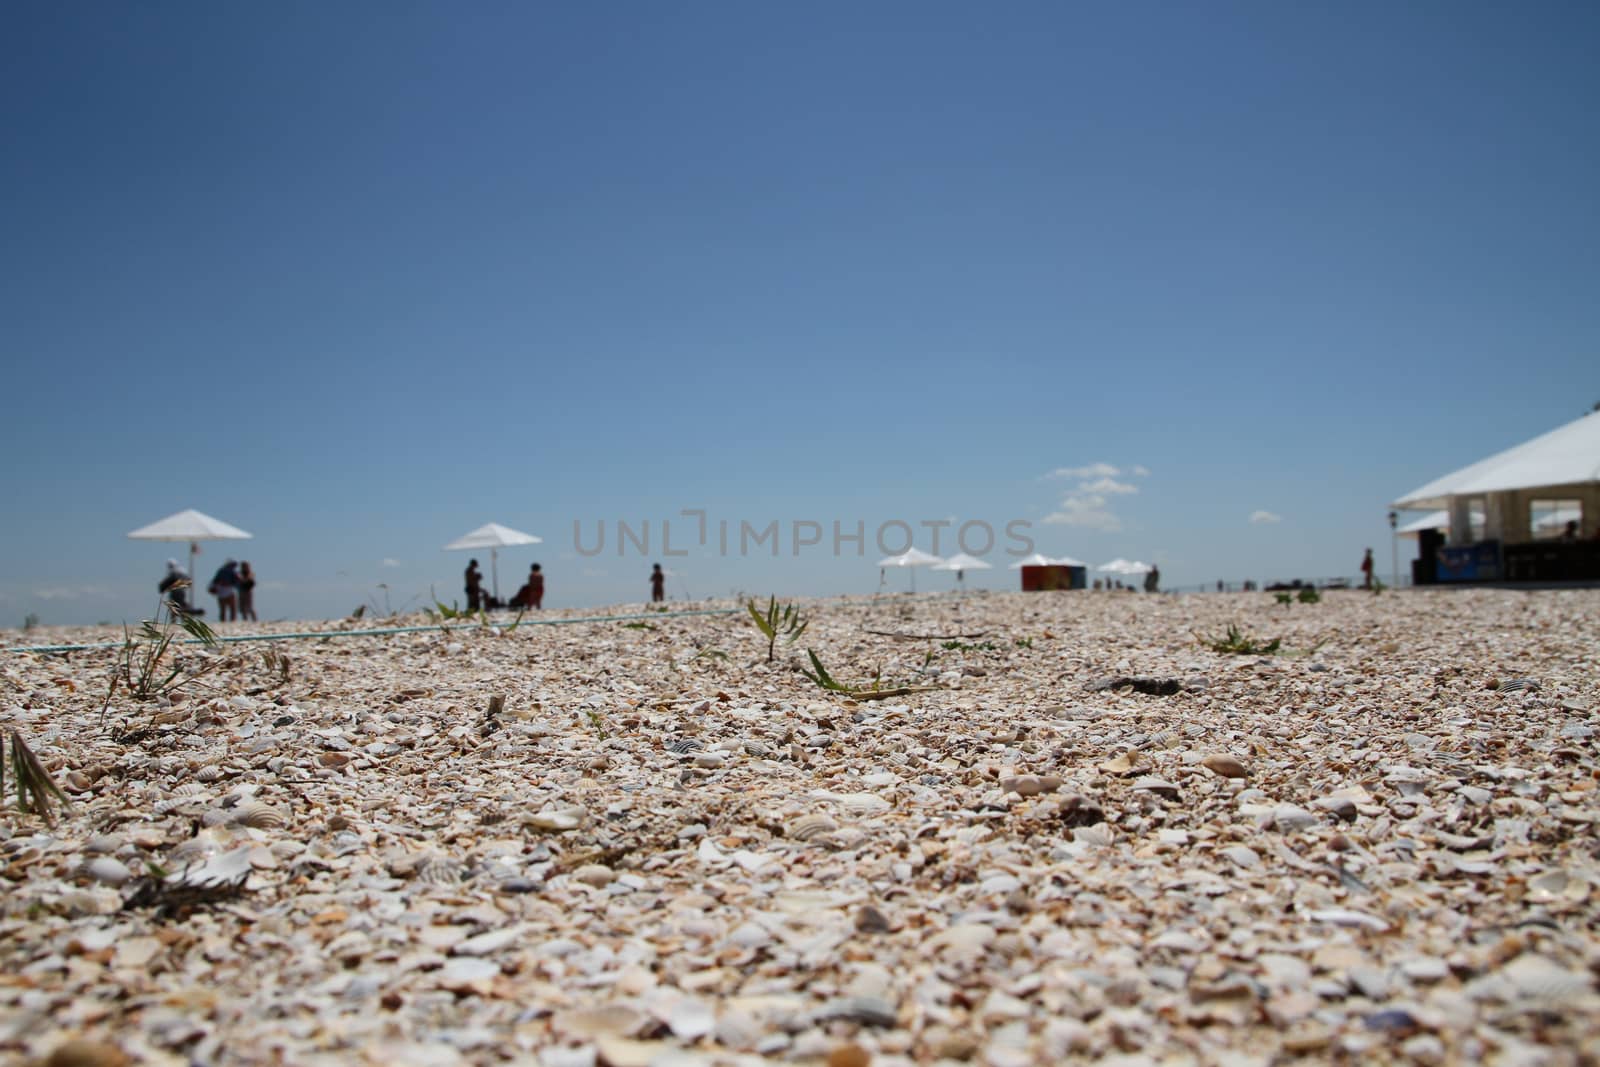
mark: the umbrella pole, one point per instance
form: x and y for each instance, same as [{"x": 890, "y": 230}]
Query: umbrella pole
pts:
[
  {"x": 494, "y": 571},
  {"x": 194, "y": 575}
]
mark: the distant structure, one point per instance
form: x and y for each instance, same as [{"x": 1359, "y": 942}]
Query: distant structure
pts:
[{"x": 1528, "y": 514}]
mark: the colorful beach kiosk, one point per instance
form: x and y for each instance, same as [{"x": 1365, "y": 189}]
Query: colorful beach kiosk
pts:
[
  {"x": 1041, "y": 573},
  {"x": 1528, "y": 514}
]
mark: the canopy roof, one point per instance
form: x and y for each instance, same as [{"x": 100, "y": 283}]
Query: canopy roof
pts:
[
  {"x": 493, "y": 535},
  {"x": 189, "y": 525},
  {"x": 911, "y": 557},
  {"x": 963, "y": 562},
  {"x": 1568, "y": 455}
]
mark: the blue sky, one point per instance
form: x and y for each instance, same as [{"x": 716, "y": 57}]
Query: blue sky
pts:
[{"x": 361, "y": 277}]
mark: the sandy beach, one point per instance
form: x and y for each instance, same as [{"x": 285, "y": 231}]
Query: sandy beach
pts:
[{"x": 1079, "y": 835}]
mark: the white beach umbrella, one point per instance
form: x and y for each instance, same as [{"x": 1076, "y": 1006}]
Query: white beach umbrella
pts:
[
  {"x": 911, "y": 558},
  {"x": 494, "y": 537},
  {"x": 1035, "y": 560},
  {"x": 191, "y": 526},
  {"x": 961, "y": 563},
  {"x": 1067, "y": 561}
]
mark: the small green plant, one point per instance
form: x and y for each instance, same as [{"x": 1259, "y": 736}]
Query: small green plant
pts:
[
  {"x": 638, "y": 626},
  {"x": 440, "y": 611},
  {"x": 777, "y": 621},
  {"x": 1283, "y": 598},
  {"x": 1377, "y": 586},
  {"x": 30, "y": 621},
  {"x": 822, "y": 677},
  {"x": 1309, "y": 595},
  {"x": 142, "y": 666},
  {"x": 875, "y": 691},
  {"x": 710, "y": 653},
  {"x": 962, "y": 646},
  {"x": 1237, "y": 642},
  {"x": 1024, "y": 642},
  {"x": 598, "y": 723},
  {"x": 36, "y": 792}
]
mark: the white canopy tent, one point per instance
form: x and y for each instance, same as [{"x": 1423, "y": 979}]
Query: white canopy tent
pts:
[
  {"x": 1562, "y": 465},
  {"x": 911, "y": 558},
  {"x": 494, "y": 537},
  {"x": 191, "y": 526},
  {"x": 961, "y": 563}
]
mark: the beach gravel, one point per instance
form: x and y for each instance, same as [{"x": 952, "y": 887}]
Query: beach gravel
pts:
[{"x": 1045, "y": 829}]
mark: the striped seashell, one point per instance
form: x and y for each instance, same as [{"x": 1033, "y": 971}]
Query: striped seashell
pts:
[
  {"x": 684, "y": 745},
  {"x": 1518, "y": 685},
  {"x": 811, "y": 827},
  {"x": 442, "y": 872},
  {"x": 211, "y": 773},
  {"x": 195, "y": 849},
  {"x": 186, "y": 805},
  {"x": 191, "y": 789},
  {"x": 259, "y": 816}
]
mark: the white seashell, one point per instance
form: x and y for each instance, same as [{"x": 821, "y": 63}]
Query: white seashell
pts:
[
  {"x": 1159, "y": 786},
  {"x": 259, "y": 816},
  {"x": 558, "y": 820},
  {"x": 442, "y": 872},
  {"x": 811, "y": 827},
  {"x": 211, "y": 773},
  {"x": 107, "y": 870},
  {"x": 595, "y": 874},
  {"x": 196, "y": 849},
  {"x": 1537, "y": 977}
]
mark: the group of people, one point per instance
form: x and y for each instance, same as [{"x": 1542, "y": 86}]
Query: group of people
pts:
[
  {"x": 234, "y": 586},
  {"x": 531, "y": 595}
]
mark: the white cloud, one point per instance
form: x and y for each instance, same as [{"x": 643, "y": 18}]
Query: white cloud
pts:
[
  {"x": 389, "y": 562},
  {"x": 1087, "y": 510},
  {"x": 1108, "y": 485},
  {"x": 70, "y": 592},
  {"x": 1093, "y": 470},
  {"x": 1265, "y": 516},
  {"x": 1139, "y": 470}
]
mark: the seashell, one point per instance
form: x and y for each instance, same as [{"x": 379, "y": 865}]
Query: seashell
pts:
[
  {"x": 558, "y": 820},
  {"x": 1517, "y": 685},
  {"x": 757, "y": 749},
  {"x": 1557, "y": 887},
  {"x": 856, "y": 803},
  {"x": 595, "y": 874},
  {"x": 811, "y": 827},
  {"x": 104, "y": 843},
  {"x": 683, "y": 746},
  {"x": 211, "y": 773},
  {"x": 1123, "y": 765},
  {"x": 1024, "y": 785},
  {"x": 1537, "y": 977},
  {"x": 345, "y": 842},
  {"x": 1099, "y": 835},
  {"x": 1224, "y": 765},
  {"x": 1159, "y": 786},
  {"x": 192, "y": 789},
  {"x": 83, "y": 1052},
  {"x": 216, "y": 817},
  {"x": 442, "y": 872},
  {"x": 107, "y": 870},
  {"x": 869, "y": 1011},
  {"x": 711, "y": 760},
  {"x": 259, "y": 816},
  {"x": 195, "y": 849},
  {"x": 184, "y": 805}
]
